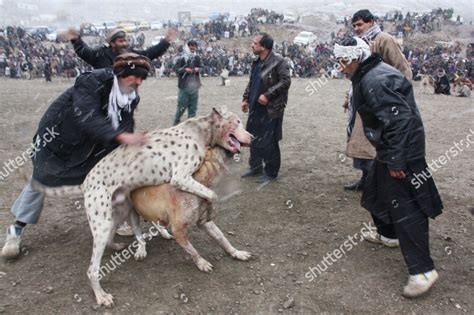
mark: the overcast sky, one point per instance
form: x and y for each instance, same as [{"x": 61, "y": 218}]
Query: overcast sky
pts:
[{"x": 102, "y": 10}]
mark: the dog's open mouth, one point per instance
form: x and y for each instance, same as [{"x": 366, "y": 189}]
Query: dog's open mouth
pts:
[{"x": 234, "y": 144}]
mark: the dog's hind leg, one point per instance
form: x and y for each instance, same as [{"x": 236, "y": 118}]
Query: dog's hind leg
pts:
[
  {"x": 140, "y": 253},
  {"x": 102, "y": 225},
  {"x": 163, "y": 231},
  {"x": 179, "y": 232},
  {"x": 213, "y": 230}
]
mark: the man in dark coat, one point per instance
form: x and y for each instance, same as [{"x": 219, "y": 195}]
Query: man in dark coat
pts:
[
  {"x": 400, "y": 206},
  {"x": 103, "y": 57},
  {"x": 441, "y": 84},
  {"x": 79, "y": 128},
  {"x": 265, "y": 99}
]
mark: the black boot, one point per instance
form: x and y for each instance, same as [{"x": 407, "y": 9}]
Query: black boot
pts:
[
  {"x": 357, "y": 186},
  {"x": 253, "y": 172}
]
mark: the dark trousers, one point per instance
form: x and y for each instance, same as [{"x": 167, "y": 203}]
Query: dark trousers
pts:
[
  {"x": 269, "y": 155},
  {"x": 399, "y": 215}
]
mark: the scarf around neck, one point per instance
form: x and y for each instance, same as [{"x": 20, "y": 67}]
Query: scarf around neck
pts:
[
  {"x": 119, "y": 101},
  {"x": 371, "y": 33}
]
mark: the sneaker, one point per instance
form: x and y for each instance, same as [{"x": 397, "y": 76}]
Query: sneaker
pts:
[
  {"x": 374, "y": 237},
  {"x": 125, "y": 229},
  {"x": 252, "y": 172},
  {"x": 420, "y": 284},
  {"x": 11, "y": 249}
]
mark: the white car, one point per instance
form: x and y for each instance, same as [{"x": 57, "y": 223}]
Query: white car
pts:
[
  {"x": 52, "y": 36},
  {"x": 156, "y": 25},
  {"x": 289, "y": 18},
  {"x": 156, "y": 40},
  {"x": 305, "y": 38},
  {"x": 110, "y": 25}
]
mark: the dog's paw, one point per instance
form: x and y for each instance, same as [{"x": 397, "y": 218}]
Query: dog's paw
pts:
[
  {"x": 165, "y": 234},
  {"x": 204, "y": 265},
  {"x": 104, "y": 299},
  {"x": 140, "y": 254},
  {"x": 241, "y": 255},
  {"x": 213, "y": 198}
]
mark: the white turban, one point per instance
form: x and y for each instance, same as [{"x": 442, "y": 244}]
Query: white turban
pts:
[{"x": 359, "y": 52}]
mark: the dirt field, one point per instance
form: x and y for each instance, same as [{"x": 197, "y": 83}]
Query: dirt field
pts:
[{"x": 288, "y": 225}]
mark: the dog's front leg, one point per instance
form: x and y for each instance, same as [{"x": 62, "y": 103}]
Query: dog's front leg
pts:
[
  {"x": 216, "y": 233},
  {"x": 179, "y": 232},
  {"x": 189, "y": 184}
]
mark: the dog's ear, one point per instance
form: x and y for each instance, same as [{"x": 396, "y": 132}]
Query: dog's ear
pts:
[
  {"x": 216, "y": 115},
  {"x": 221, "y": 111}
]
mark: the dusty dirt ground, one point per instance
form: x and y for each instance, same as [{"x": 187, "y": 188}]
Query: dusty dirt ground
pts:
[{"x": 288, "y": 225}]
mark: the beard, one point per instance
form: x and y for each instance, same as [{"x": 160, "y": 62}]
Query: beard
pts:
[
  {"x": 129, "y": 89},
  {"x": 121, "y": 50}
]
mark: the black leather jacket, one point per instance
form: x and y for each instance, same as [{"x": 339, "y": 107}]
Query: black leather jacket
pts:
[
  {"x": 276, "y": 82},
  {"x": 83, "y": 133},
  {"x": 103, "y": 57},
  {"x": 392, "y": 123},
  {"x": 189, "y": 81}
]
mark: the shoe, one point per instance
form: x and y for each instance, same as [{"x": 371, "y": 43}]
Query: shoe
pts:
[
  {"x": 375, "y": 237},
  {"x": 265, "y": 179},
  {"x": 420, "y": 284},
  {"x": 357, "y": 186},
  {"x": 124, "y": 229},
  {"x": 11, "y": 249},
  {"x": 252, "y": 172}
]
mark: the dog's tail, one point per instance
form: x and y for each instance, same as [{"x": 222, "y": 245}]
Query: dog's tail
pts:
[{"x": 57, "y": 191}]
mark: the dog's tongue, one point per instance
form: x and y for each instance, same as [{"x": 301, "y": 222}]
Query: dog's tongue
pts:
[{"x": 235, "y": 143}]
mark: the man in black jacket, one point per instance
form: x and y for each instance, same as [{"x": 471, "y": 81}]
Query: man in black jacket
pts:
[
  {"x": 188, "y": 68},
  {"x": 104, "y": 56},
  {"x": 392, "y": 123},
  {"x": 79, "y": 128},
  {"x": 265, "y": 99}
]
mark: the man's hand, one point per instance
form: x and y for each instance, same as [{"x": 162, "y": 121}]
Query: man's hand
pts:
[
  {"x": 346, "y": 105},
  {"x": 245, "y": 106},
  {"x": 263, "y": 100},
  {"x": 397, "y": 174},
  {"x": 188, "y": 70},
  {"x": 196, "y": 70},
  {"x": 171, "y": 34},
  {"x": 138, "y": 138},
  {"x": 70, "y": 34}
]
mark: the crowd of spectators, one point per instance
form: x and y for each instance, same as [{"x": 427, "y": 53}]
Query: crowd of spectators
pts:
[{"x": 23, "y": 55}]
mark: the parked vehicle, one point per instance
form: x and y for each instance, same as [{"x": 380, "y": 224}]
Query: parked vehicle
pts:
[
  {"x": 110, "y": 25},
  {"x": 156, "y": 25},
  {"x": 127, "y": 26},
  {"x": 305, "y": 38},
  {"x": 340, "y": 20},
  {"x": 143, "y": 26},
  {"x": 289, "y": 17}
]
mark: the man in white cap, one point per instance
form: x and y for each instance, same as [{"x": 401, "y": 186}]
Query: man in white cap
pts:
[{"x": 392, "y": 123}]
